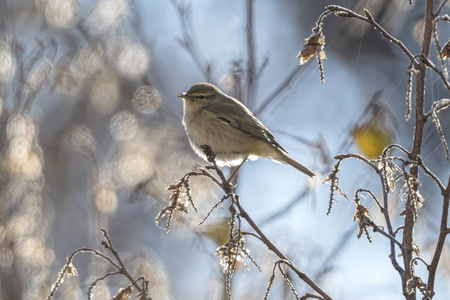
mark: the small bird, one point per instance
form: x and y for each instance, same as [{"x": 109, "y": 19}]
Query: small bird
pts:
[{"x": 233, "y": 134}]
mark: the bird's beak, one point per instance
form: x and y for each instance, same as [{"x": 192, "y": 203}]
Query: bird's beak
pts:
[{"x": 181, "y": 95}]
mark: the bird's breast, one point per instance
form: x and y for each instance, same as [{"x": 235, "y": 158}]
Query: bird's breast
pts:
[{"x": 229, "y": 144}]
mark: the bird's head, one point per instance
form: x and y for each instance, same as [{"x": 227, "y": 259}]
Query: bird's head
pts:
[{"x": 201, "y": 93}]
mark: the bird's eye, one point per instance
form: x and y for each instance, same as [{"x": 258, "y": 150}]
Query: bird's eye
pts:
[{"x": 201, "y": 97}]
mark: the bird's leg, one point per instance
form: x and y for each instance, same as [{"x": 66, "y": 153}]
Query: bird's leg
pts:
[
  {"x": 236, "y": 170},
  {"x": 210, "y": 155}
]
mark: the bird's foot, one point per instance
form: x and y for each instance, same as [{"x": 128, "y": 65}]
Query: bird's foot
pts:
[{"x": 210, "y": 155}]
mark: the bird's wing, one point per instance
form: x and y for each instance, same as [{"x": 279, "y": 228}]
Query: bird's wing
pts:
[{"x": 240, "y": 117}]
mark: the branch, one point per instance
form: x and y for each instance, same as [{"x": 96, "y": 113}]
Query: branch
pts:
[
  {"x": 251, "y": 66},
  {"x": 443, "y": 232},
  {"x": 68, "y": 267},
  {"x": 90, "y": 291},
  {"x": 348, "y": 13},
  {"x": 419, "y": 122},
  {"x": 121, "y": 269},
  {"x": 358, "y": 156},
  {"x": 107, "y": 243},
  {"x": 431, "y": 65},
  {"x": 441, "y": 6},
  {"x": 287, "y": 208},
  {"x": 385, "y": 212},
  {"x": 444, "y": 105},
  {"x": 431, "y": 174},
  {"x": 373, "y": 197},
  {"x": 275, "y": 250},
  {"x": 188, "y": 42},
  {"x": 378, "y": 229},
  {"x": 392, "y": 146},
  {"x": 238, "y": 212},
  {"x": 278, "y": 90}
]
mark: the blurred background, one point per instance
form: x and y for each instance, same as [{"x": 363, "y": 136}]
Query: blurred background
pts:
[{"x": 91, "y": 135}]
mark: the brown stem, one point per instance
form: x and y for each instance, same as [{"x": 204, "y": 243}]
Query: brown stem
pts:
[
  {"x": 420, "y": 120},
  {"x": 431, "y": 65},
  {"x": 275, "y": 250},
  {"x": 437, "y": 108},
  {"x": 108, "y": 245},
  {"x": 441, "y": 6},
  {"x": 378, "y": 229},
  {"x": 369, "y": 19},
  {"x": 278, "y": 90},
  {"x": 443, "y": 232},
  {"x": 229, "y": 191},
  {"x": 385, "y": 210},
  {"x": 250, "y": 54}
]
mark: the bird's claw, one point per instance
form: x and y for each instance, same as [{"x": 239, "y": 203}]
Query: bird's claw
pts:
[
  {"x": 209, "y": 153},
  {"x": 232, "y": 186}
]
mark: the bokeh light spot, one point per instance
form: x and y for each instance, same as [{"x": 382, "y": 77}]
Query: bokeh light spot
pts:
[{"x": 146, "y": 99}]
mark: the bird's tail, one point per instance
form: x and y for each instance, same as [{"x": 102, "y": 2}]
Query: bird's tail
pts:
[{"x": 284, "y": 158}]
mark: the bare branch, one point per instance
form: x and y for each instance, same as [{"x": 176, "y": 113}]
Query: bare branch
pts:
[
  {"x": 348, "y": 13},
  {"x": 373, "y": 197},
  {"x": 188, "y": 41},
  {"x": 90, "y": 292},
  {"x": 431, "y": 174},
  {"x": 378, "y": 229},
  {"x": 287, "y": 208},
  {"x": 410, "y": 212},
  {"x": 431, "y": 65},
  {"x": 251, "y": 61},
  {"x": 284, "y": 84},
  {"x": 438, "y": 106},
  {"x": 443, "y": 232},
  {"x": 107, "y": 243},
  {"x": 234, "y": 247},
  {"x": 439, "y": 9},
  {"x": 439, "y": 49}
]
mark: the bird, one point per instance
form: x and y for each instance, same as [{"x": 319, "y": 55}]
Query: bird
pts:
[{"x": 229, "y": 129}]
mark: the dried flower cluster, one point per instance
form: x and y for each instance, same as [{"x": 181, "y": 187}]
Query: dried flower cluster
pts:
[
  {"x": 179, "y": 201},
  {"x": 362, "y": 218},
  {"x": 115, "y": 262},
  {"x": 445, "y": 52},
  {"x": 314, "y": 46},
  {"x": 409, "y": 91},
  {"x": 333, "y": 180}
]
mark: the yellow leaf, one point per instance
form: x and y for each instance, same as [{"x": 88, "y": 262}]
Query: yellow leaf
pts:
[{"x": 371, "y": 139}]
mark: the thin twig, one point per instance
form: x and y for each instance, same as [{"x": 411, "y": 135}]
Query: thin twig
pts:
[
  {"x": 378, "y": 229},
  {"x": 385, "y": 212},
  {"x": 94, "y": 284},
  {"x": 369, "y": 19},
  {"x": 286, "y": 208},
  {"x": 410, "y": 215},
  {"x": 275, "y": 250},
  {"x": 397, "y": 230},
  {"x": 373, "y": 197},
  {"x": 431, "y": 65},
  {"x": 251, "y": 65},
  {"x": 431, "y": 174},
  {"x": 69, "y": 261},
  {"x": 107, "y": 243},
  {"x": 285, "y": 83},
  {"x": 443, "y": 232},
  {"x": 438, "y": 108},
  {"x": 188, "y": 40},
  {"x": 441, "y": 6}
]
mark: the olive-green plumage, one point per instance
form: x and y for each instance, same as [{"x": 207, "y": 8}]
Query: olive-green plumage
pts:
[{"x": 223, "y": 123}]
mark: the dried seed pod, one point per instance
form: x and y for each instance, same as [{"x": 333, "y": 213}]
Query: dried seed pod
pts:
[
  {"x": 314, "y": 45},
  {"x": 445, "y": 52}
]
